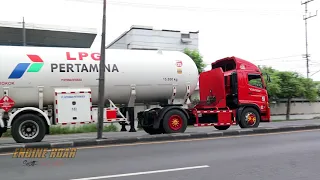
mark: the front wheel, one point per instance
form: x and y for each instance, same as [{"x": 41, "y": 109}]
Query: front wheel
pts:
[
  {"x": 28, "y": 128},
  {"x": 250, "y": 118},
  {"x": 175, "y": 121}
]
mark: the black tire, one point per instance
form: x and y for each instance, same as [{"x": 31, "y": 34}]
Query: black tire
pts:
[
  {"x": 151, "y": 130},
  {"x": 222, "y": 127},
  {"x": 2, "y": 130},
  {"x": 177, "y": 116},
  {"x": 243, "y": 123},
  {"x": 31, "y": 121}
]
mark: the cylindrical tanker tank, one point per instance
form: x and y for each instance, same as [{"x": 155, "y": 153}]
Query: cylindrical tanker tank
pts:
[{"x": 153, "y": 73}]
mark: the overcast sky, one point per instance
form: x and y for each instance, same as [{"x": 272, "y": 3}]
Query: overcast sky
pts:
[{"x": 266, "y": 32}]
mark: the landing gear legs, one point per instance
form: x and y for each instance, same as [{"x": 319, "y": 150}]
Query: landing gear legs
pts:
[
  {"x": 123, "y": 110},
  {"x": 131, "y": 119}
]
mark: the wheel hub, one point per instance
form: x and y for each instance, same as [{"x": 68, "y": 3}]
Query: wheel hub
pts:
[
  {"x": 175, "y": 122},
  {"x": 251, "y": 119},
  {"x": 29, "y": 129}
]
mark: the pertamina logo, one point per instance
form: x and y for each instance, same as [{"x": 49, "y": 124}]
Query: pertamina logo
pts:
[{"x": 21, "y": 68}]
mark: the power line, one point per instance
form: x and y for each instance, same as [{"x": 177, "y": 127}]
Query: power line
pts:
[
  {"x": 315, "y": 72},
  {"x": 188, "y": 8},
  {"x": 277, "y": 58},
  {"x": 201, "y": 9},
  {"x": 281, "y": 61},
  {"x": 282, "y": 65},
  {"x": 305, "y": 18},
  {"x": 314, "y": 63}
]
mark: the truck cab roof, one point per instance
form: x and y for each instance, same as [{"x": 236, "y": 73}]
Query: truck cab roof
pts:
[{"x": 234, "y": 63}]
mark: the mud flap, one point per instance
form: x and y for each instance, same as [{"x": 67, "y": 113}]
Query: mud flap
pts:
[{"x": 3, "y": 126}]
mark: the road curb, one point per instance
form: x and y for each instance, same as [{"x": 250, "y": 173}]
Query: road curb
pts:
[{"x": 154, "y": 138}]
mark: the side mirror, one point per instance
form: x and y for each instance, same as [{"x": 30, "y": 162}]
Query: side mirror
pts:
[{"x": 268, "y": 78}]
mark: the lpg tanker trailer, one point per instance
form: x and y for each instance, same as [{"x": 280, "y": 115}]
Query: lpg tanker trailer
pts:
[{"x": 45, "y": 86}]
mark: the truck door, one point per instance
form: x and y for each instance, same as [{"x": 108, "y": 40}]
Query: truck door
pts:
[{"x": 256, "y": 91}]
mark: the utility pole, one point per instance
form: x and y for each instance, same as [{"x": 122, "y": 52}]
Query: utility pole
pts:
[
  {"x": 102, "y": 73},
  {"x": 23, "y": 32},
  {"x": 305, "y": 18}
]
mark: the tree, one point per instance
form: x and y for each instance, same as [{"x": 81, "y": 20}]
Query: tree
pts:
[
  {"x": 289, "y": 85},
  {"x": 273, "y": 87},
  {"x": 311, "y": 89},
  {"x": 197, "y": 58},
  {"x": 294, "y": 86},
  {"x": 317, "y": 84}
]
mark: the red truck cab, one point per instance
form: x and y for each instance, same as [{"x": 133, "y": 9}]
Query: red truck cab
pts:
[{"x": 233, "y": 92}]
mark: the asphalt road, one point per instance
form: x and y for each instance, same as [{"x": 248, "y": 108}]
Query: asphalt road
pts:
[
  {"x": 56, "y": 138},
  {"x": 287, "y": 156}
]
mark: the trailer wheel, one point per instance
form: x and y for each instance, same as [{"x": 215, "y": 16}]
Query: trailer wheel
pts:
[
  {"x": 151, "y": 130},
  {"x": 222, "y": 127},
  {"x": 175, "y": 121},
  {"x": 250, "y": 118},
  {"x": 2, "y": 130},
  {"x": 28, "y": 128}
]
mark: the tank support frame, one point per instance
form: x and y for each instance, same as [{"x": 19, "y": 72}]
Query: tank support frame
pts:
[{"x": 130, "y": 109}]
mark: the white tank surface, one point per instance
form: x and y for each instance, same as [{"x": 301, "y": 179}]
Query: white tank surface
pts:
[{"x": 153, "y": 73}]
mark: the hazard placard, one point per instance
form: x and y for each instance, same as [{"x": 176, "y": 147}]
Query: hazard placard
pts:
[{"x": 6, "y": 103}]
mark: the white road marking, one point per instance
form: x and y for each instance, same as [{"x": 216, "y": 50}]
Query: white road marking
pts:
[{"x": 142, "y": 173}]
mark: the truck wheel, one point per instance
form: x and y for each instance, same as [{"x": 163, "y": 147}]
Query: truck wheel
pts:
[
  {"x": 250, "y": 118},
  {"x": 151, "y": 130},
  {"x": 28, "y": 128},
  {"x": 175, "y": 121},
  {"x": 222, "y": 127},
  {"x": 2, "y": 131}
]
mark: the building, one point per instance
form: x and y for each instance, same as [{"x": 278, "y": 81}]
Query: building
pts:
[
  {"x": 11, "y": 34},
  {"x": 149, "y": 38}
]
